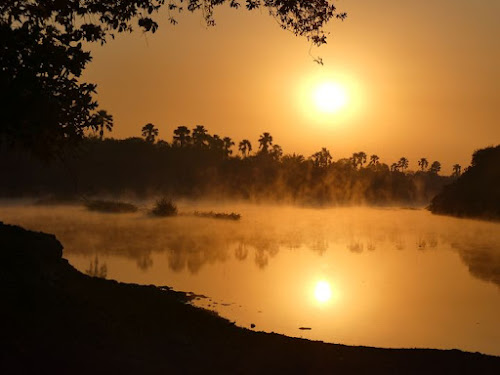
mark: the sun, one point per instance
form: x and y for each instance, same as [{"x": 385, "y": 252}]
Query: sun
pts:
[
  {"x": 329, "y": 97},
  {"x": 322, "y": 291},
  {"x": 331, "y": 100}
]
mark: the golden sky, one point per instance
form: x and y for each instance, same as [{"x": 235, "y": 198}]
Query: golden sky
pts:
[{"x": 422, "y": 80}]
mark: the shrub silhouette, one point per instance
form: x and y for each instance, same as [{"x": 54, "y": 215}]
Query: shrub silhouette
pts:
[{"x": 164, "y": 207}]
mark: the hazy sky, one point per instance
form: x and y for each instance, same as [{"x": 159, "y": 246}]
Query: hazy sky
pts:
[{"x": 422, "y": 78}]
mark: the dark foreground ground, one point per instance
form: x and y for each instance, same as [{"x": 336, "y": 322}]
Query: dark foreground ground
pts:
[{"x": 56, "y": 320}]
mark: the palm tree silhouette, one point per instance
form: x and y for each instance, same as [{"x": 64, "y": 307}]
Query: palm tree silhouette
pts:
[
  {"x": 215, "y": 143},
  {"x": 181, "y": 136},
  {"x": 403, "y": 163},
  {"x": 456, "y": 170},
  {"x": 149, "y": 132},
  {"x": 423, "y": 164},
  {"x": 245, "y": 147},
  {"x": 102, "y": 120},
  {"x": 374, "y": 160},
  {"x": 358, "y": 158},
  {"x": 265, "y": 141},
  {"x": 435, "y": 167},
  {"x": 200, "y": 136}
]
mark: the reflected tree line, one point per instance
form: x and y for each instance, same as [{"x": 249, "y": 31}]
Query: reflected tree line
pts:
[
  {"x": 197, "y": 164},
  {"x": 193, "y": 253},
  {"x": 188, "y": 249}
]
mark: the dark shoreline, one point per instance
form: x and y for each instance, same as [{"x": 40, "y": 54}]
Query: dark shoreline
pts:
[{"x": 58, "y": 320}]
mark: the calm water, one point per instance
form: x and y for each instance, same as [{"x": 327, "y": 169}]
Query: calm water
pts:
[{"x": 357, "y": 276}]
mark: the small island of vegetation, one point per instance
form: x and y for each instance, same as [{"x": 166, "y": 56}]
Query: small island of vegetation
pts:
[{"x": 110, "y": 206}]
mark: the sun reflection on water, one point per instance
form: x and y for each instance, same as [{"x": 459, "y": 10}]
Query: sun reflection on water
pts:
[{"x": 323, "y": 291}]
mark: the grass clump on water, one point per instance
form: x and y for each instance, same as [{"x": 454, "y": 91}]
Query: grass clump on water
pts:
[
  {"x": 218, "y": 215},
  {"x": 164, "y": 207},
  {"x": 110, "y": 206}
]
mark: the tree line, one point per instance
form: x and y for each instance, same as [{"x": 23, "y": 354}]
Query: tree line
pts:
[
  {"x": 197, "y": 164},
  {"x": 200, "y": 138}
]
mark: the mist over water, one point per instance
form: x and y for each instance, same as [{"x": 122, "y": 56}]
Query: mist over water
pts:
[{"x": 387, "y": 277}]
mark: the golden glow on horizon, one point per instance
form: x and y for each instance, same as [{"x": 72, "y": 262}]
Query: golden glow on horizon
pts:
[
  {"x": 322, "y": 291},
  {"x": 330, "y": 97}
]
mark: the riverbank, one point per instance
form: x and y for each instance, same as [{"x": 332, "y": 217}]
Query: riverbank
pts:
[{"x": 58, "y": 320}]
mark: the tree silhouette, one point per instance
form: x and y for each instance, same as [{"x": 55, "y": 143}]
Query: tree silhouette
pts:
[
  {"x": 149, "y": 132},
  {"x": 228, "y": 143},
  {"x": 192, "y": 172},
  {"x": 457, "y": 169},
  {"x": 44, "y": 105},
  {"x": 423, "y": 164},
  {"x": 245, "y": 147},
  {"x": 181, "y": 136},
  {"x": 322, "y": 159},
  {"x": 101, "y": 121},
  {"x": 403, "y": 163},
  {"x": 435, "y": 167},
  {"x": 374, "y": 160},
  {"x": 265, "y": 141},
  {"x": 358, "y": 159},
  {"x": 200, "y": 136},
  {"x": 162, "y": 144},
  {"x": 293, "y": 159},
  {"x": 276, "y": 152},
  {"x": 216, "y": 144}
]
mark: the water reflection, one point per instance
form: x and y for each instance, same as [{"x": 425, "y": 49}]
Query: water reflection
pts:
[
  {"x": 483, "y": 262},
  {"x": 192, "y": 243},
  {"x": 323, "y": 291}
]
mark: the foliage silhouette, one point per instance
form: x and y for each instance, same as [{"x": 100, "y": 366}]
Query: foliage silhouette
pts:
[
  {"x": 358, "y": 159},
  {"x": 164, "y": 207},
  {"x": 218, "y": 215},
  {"x": 182, "y": 137},
  {"x": 423, "y": 164},
  {"x": 435, "y": 167},
  {"x": 245, "y": 147},
  {"x": 202, "y": 166},
  {"x": 149, "y": 132},
  {"x": 200, "y": 136},
  {"x": 403, "y": 164},
  {"x": 110, "y": 206},
  {"x": 322, "y": 159},
  {"x": 276, "y": 152},
  {"x": 228, "y": 143},
  {"x": 476, "y": 192},
  {"x": 374, "y": 160},
  {"x": 102, "y": 121},
  {"x": 265, "y": 140}
]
